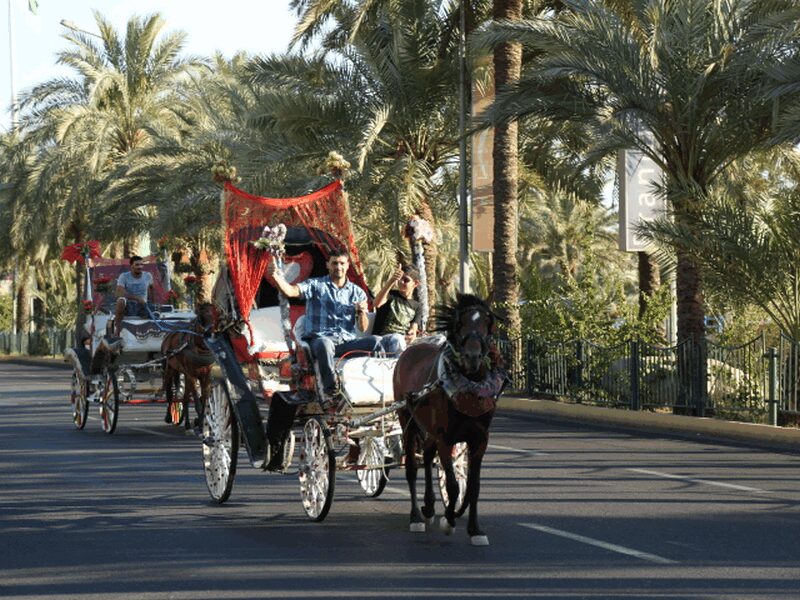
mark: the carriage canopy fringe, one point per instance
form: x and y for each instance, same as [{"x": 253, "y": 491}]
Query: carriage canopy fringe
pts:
[{"x": 324, "y": 214}]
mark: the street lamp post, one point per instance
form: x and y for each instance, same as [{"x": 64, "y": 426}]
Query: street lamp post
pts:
[
  {"x": 13, "y": 113},
  {"x": 463, "y": 208}
]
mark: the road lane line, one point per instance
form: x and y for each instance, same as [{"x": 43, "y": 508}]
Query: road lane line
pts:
[
  {"x": 601, "y": 544},
  {"x": 139, "y": 429},
  {"x": 731, "y": 486},
  {"x": 388, "y": 488},
  {"x": 518, "y": 450}
]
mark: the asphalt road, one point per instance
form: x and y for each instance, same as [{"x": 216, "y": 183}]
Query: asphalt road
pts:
[{"x": 571, "y": 512}]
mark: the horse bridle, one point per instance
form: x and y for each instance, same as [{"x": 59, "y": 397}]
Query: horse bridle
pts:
[{"x": 483, "y": 339}]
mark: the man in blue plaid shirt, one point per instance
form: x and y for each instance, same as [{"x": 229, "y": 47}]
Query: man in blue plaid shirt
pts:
[{"x": 334, "y": 307}]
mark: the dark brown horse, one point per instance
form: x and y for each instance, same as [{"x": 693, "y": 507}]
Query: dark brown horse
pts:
[
  {"x": 186, "y": 354},
  {"x": 451, "y": 392}
]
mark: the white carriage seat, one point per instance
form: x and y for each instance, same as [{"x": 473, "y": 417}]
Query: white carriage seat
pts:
[
  {"x": 140, "y": 335},
  {"x": 367, "y": 380},
  {"x": 265, "y": 323}
]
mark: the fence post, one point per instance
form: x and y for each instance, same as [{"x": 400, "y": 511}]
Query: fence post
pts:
[
  {"x": 700, "y": 384},
  {"x": 772, "y": 394},
  {"x": 580, "y": 355},
  {"x": 636, "y": 401}
]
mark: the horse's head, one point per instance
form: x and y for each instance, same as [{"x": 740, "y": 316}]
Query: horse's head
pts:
[
  {"x": 469, "y": 326},
  {"x": 204, "y": 321}
]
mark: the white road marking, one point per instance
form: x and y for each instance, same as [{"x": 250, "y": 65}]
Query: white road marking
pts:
[
  {"x": 731, "y": 486},
  {"x": 139, "y": 429},
  {"x": 388, "y": 488},
  {"x": 601, "y": 544},
  {"x": 519, "y": 451}
]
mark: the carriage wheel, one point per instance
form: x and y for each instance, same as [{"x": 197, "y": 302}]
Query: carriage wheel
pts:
[
  {"x": 109, "y": 402},
  {"x": 317, "y": 469},
  {"x": 178, "y": 385},
  {"x": 370, "y": 471},
  {"x": 461, "y": 469},
  {"x": 220, "y": 443},
  {"x": 80, "y": 404}
]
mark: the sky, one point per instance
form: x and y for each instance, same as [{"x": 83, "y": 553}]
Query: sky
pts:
[{"x": 253, "y": 26}]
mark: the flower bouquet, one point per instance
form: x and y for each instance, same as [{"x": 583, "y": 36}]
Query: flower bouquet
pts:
[
  {"x": 335, "y": 165},
  {"x": 222, "y": 172},
  {"x": 193, "y": 285},
  {"x": 272, "y": 239},
  {"x": 172, "y": 298},
  {"x": 102, "y": 285},
  {"x": 418, "y": 230}
]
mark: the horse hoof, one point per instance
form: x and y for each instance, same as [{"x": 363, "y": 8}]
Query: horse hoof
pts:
[
  {"x": 445, "y": 527},
  {"x": 417, "y": 528},
  {"x": 430, "y": 520},
  {"x": 479, "y": 540}
]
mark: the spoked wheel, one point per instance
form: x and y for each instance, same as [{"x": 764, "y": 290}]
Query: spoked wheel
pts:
[
  {"x": 461, "y": 469},
  {"x": 80, "y": 404},
  {"x": 176, "y": 412},
  {"x": 371, "y": 471},
  {"x": 220, "y": 443},
  {"x": 109, "y": 402},
  {"x": 317, "y": 469}
]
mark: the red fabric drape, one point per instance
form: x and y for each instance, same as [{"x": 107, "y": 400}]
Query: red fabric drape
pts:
[
  {"x": 323, "y": 213},
  {"x": 76, "y": 251}
]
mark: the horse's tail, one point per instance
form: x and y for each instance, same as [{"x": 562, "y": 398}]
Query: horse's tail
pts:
[{"x": 463, "y": 508}]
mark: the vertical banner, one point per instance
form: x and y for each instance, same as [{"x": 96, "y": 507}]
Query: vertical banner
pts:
[
  {"x": 637, "y": 199},
  {"x": 482, "y": 171}
]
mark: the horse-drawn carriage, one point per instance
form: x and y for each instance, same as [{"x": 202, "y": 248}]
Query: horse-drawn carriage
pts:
[
  {"x": 112, "y": 370},
  {"x": 266, "y": 368}
]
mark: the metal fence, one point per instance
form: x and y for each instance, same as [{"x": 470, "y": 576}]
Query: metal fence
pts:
[
  {"x": 701, "y": 378},
  {"x": 50, "y": 342},
  {"x": 695, "y": 377}
]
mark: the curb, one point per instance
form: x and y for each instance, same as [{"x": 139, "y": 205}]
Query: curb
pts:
[
  {"x": 37, "y": 361},
  {"x": 784, "y": 438}
]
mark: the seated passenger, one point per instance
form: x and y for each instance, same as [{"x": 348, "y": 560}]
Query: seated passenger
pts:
[
  {"x": 134, "y": 289},
  {"x": 334, "y": 306},
  {"x": 398, "y": 315}
]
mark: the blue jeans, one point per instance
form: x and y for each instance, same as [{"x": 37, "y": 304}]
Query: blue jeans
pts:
[
  {"x": 324, "y": 349},
  {"x": 393, "y": 343},
  {"x": 137, "y": 309}
]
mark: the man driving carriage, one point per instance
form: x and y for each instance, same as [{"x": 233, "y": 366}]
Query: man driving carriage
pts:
[
  {"x": 335, "y": 306},
  {"x": 134, "y": 289}
]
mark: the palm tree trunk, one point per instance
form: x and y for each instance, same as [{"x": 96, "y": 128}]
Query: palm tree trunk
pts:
[
  {"x": 23, "y": 304},
  {"x": 431, "y": 256},
  {"x": 507, "y": 68},
  {"x": 649, "y": 280}
]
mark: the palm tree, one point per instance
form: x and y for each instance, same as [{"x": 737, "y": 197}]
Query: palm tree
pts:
[
  {"x": 561, "y": 227},
  {"x": 83, "y": 128},
  {"x": 386, "y": 101},
  {"x": 505, "y": 188},
  {"x": 691, "y": 74},
  {"x": 747, "y": 239}
]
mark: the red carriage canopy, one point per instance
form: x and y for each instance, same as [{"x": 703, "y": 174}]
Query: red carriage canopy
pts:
[{"x": 324, "y": 214}]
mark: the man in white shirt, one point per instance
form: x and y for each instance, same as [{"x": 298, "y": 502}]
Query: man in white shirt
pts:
[{"x": 133, "y": 293}]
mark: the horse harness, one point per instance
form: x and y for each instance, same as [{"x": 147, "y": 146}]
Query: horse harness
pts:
[{"x": 470, "y": 398}]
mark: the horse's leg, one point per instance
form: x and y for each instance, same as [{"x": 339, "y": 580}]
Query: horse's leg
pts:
[
  {"x": 477, "y": 448},
  {"x": 189, "y": 393},
  {"x": 429, "y": 507},
  {"x": 170, "y": 378},
  {"x": 417, "y": 521},
  {"x": 205, "y": 391},
  {"x": 448, "y": 522}
]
